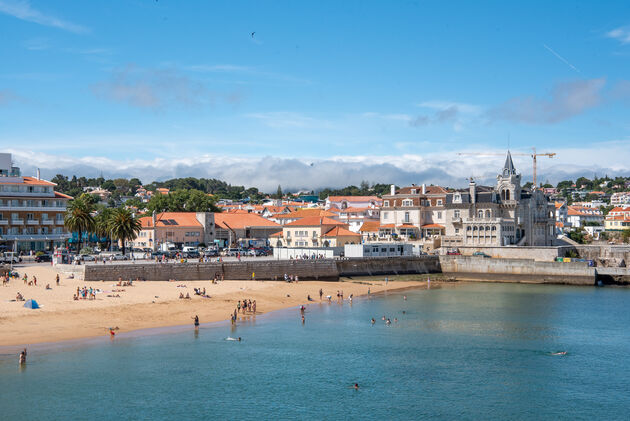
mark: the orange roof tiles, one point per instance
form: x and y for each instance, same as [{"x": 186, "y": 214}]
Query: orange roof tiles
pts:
[
  {"x": 242, "y": 220},
  {"x": 433, "y": 226},
  {"x": 340, "y": 232},
  {"x": 312, "y": 221},
  {"x": 31, "y": 181},
  {"x": 386, "y": 226},
  {"x": 305, "y": 213},
  {"x": 370, "y": 226},
  {"x": 171, "y": 219},
  {"x": 62, "y": 196},
  {"x": 353, "y": 209}
]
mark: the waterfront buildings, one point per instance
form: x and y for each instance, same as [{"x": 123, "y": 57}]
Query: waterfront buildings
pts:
[
  {"x": 500, "y": 215},
  {"x": 354, "y": 210},
  {"x": 315, "y": 231},
  {"x": 31, "y": 212}
]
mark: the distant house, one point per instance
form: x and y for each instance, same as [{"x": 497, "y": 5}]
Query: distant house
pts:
[
  {"x": 618, "y": 219},
  {"x": 578, "y": 216}
]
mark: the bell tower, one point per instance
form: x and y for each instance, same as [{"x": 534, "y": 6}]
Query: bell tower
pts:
[{"x": 509, "y": 182}]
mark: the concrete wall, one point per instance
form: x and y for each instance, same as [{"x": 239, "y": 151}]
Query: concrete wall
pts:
[
  {"x": 517, "y": 270},
  {"x": 541, "y": 254},
  {"x": 264, "y": 270},
  {"x": 388, "y": 266}
]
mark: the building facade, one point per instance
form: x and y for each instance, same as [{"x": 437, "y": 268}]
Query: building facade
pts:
[
  {"x": 31, "y": 211},
  {"x": 499, "y": 216}
]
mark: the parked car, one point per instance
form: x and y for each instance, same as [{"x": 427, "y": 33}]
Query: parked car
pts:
[
  {"x": 10, "y": 257},
  {"x": 211, "y": 253},
  {"x": 191, "y": 254},
  {"x": 453, "y": 253},
  {"x": 43, "y": 258},
  {"x": 88, "y": 258},
  {"x": 120, "y": 257},
  {"x": 481, "y": 254}
]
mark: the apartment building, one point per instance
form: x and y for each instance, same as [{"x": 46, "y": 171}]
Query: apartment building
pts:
[{"x": 31, "y": 211}]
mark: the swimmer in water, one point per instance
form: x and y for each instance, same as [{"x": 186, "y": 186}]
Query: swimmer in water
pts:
[
  {"x": 373, "y": 321},
  {"x": 356, "y": 386},
  {"x": 112, "y": 333},
  {"x": 395, "y": 320},
  {"x": 23, "y": 357},
  {"x": 405, "y": 297},
  {"x": 302, "y": 319},
  {"x": 383, "y": 318},
  {"x": 559, "y": 353},
  {"x": 388, "y": 322}
]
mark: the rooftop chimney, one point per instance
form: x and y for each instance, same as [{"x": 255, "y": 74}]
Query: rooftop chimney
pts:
[
  {"x": 392, "y": 190},
  {"x": 38, "y": 175},
  {"x": 424, "y": 188},
  {"x": 473, "y": 190}
]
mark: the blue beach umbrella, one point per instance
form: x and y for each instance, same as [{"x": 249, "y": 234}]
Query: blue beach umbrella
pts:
[{"x": 32, "y": 304}]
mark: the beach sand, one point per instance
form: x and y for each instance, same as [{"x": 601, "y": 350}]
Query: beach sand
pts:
[{"x": 146, "y": 304}]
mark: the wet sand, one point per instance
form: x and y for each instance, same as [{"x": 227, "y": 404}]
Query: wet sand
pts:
[{"x": 147, "y": 304}]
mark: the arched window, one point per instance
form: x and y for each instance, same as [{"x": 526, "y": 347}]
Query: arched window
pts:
[
  {"x": 480, "y": 214},
  {"x": 507, "y": 195},
  {"x": 494, "y": 228},
  {"x": 467, "y": 228},
  {"x": 488, "y": 213},
  {"x": 502, "y": 194},
  {"x": 474, "y": 228}
]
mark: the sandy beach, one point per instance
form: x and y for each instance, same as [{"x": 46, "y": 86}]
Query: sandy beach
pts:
[{"x": 146, "y": 304}]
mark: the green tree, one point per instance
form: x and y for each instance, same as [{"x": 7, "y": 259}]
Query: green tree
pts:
[
  {"x": 123, "y": 226},
  {"x": 79, "y": 216},
  {"x": 625, "y": 235},
  {"x": 101, "y": 224}
]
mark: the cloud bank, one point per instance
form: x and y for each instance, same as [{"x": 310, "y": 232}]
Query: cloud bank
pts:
[{"x": 267, "y": 173}]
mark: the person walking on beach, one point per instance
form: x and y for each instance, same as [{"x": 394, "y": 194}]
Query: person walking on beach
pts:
[
  {"x": 254, "y": 306},
  {"x": 196, "y": 319},
  {"x": 57, "y": 279},
  {"x": 321, "y": 294}
]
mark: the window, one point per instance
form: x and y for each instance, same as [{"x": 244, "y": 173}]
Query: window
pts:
[
  {"x": 406, "y": 216},
  {"x": 480, "y": 214},
  {"x": 413, "y": 191},
  {"x": 407, "y": 202},
  {"x": 439, "y": 202},
  {"x": 29, "y": 217},
  {"x": 385, "y": 215},
  {"x": 386, "y": 204},
  {"x": 439, "y": 215},
  {"x": 456, "y": 213},
  {"x": 314, "y": 234},
  {"x": 456, "y": 230},
  {"x": 288, "y": 234}
]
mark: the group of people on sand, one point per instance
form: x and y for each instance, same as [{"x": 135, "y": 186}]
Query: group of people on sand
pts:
[{"x": 85, "y": 293}]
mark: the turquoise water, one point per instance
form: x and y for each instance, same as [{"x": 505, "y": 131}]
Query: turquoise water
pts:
[{"x": 469, "y": 351}]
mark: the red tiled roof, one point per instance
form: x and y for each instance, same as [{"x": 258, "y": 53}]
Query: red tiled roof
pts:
[
  {"x": 370, "y": 226},
  {"x": 242, "y": 220},
  {"x": 340, "y": 232},
  {"x": 386, "y": 226},
  {"x": 62, "y": 196},
  {"x": 314, "y": 221},
  {"x": 171, "y": 219},
  {"x": 306, "y": 213},
  {"x": 405, "y": 226}
]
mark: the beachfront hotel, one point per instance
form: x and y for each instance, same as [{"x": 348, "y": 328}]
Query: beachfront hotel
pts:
[{"x": 31, "y": 211}]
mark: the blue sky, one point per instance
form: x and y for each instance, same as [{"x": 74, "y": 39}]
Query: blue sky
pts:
[{"x": 383, "y": 91}]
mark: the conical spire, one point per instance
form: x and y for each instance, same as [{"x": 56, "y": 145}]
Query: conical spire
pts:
[{"x": 508, "y": 167}]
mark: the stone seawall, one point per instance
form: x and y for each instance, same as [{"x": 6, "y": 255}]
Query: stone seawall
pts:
[
  {"x": 459, "y": 267},
  {"x": 517, "y": 270},
  {"x": 263, "y": 270},
  {"x": 388, "y": 266}
]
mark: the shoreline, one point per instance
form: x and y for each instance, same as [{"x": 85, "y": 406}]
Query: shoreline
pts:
[{"x": 144, "y": 306}]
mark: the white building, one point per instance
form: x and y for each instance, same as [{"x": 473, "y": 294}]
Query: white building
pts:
[{"x": 620, "y": 199}]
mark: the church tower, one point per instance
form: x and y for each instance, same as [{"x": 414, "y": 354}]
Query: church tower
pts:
[{"x": 509, "y": 182}]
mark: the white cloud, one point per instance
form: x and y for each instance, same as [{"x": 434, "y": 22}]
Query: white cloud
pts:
[
  {"x": 444, "y": 168},
  {"x": 22, "y": 10},
  {"x": 565, "y": 100},
  {"x": 444, "y": 105},
  {"x": 621, "y": 34}
]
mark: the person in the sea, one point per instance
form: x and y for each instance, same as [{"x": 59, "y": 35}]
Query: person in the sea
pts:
[
  {"x": 373, "y": 321},
  {"x": 356, "y": 386},
  {"x": 196, "y": 318},
  {"x": 22, "y": 357},
  {"x": 303, "y": 319}
]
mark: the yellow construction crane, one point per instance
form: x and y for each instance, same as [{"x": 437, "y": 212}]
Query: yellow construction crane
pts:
[{"x": 534, "y": 156}]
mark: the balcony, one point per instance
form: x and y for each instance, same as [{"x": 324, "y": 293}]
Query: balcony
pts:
[
  {"x": 17, "y": 221},
  {"x": 4, "y": 222},
  {"x": 457, "y": 220},
  {"x": 482, "y": 220},
  {"x": 48, "y": 222},
  {"x": 32, "y": 222},
  {"x": 59, "y": 221}
]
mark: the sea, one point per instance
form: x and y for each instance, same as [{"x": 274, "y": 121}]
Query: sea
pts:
[{"x": 466, "y": 351}]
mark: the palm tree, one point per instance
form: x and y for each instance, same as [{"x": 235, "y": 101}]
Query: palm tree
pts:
[
  {"x": 79, "y": 217},
  {"x": 123, "y": 226},
  {"x": 101, "y": 225}
]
